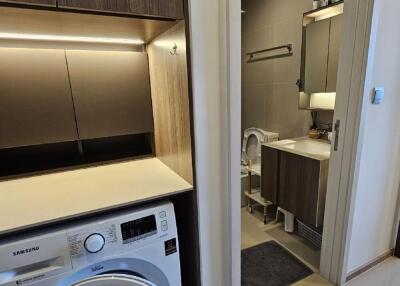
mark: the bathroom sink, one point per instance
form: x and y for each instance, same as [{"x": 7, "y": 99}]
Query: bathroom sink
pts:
[
  {"x": 311, "y": 147},
  {"x": 317, "y": 149}
]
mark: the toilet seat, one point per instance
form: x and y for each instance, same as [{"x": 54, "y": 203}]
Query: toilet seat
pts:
[{"x": 251, "y": 148}]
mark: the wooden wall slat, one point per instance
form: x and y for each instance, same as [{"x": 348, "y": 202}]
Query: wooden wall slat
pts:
[{"x": 170, "y": 96}]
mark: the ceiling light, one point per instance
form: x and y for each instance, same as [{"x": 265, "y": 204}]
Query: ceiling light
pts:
[{"x": 63, "y": 38}]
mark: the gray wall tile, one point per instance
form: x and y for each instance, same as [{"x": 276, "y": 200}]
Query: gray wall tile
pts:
[{"x": 269, "y": 93}]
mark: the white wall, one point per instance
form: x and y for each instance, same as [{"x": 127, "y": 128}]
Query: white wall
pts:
[
  {"x": 216, "y": 99},
  {"x": 378, "y": 179}
]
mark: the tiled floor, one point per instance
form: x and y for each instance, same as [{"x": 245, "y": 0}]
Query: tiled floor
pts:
[
  {"x": 384, "y": 274},
  {"x": 255, "y": 232}
]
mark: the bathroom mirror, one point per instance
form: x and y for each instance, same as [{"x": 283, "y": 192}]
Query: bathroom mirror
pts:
[{"x": 322, "y": 30}]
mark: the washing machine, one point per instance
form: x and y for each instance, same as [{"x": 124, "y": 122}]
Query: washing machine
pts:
[{"x": 136, "y": 247}]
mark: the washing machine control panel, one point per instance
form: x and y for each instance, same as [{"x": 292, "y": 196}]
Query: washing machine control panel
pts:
[{"x": 121, "y": 234}]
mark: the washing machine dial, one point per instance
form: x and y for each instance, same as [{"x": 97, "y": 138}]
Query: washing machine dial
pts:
[{"x": 94, "y": 243}]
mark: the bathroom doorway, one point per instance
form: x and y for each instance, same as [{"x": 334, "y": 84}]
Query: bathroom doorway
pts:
[{"x": 290, "y": 71}]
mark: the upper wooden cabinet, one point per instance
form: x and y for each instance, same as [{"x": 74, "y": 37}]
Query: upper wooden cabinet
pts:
[
  {"x": 51, "y": 3},
  {"x": 334, "y": 52},
  {"x": 322, "y": 48},
  {"x": 160, "y": 8},
  {"x": 35, "y": 98},
  {"x": 317, "y": 52},
  {"x": 111, "y": 92}
]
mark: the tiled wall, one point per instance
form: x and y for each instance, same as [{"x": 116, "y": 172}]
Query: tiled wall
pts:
[{"x": 269, "y": 92}]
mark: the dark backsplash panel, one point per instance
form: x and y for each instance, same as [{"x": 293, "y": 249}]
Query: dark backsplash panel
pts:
[{"x": 49, "y": 157}]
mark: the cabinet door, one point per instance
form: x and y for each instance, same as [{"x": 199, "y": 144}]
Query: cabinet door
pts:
[
  {"x": 116, "y": 6},
  {"x": 269, "y": 174},
  {"x": 35, "y": 98},
  {"x": 171, "y": 9},
  {"x": 317, "y": 45},
  {"x": 111, "y": 92},
  {"x": 335, "y": 40},
  {"x": 159, "y": 8},
  {"x": 299, "y": 186},
  {"x": 51, "y": 3}
]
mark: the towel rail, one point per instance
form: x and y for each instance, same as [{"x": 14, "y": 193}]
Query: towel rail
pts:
[{"x": 289, "y": 47}]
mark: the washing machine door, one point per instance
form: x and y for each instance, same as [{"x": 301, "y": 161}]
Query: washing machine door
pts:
[{"x": 114, "y": 280}]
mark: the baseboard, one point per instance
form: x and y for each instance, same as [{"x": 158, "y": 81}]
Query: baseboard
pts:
[{"x": 353, "y": 274}]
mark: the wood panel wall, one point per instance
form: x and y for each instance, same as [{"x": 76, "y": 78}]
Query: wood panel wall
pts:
[{"x": 170, "y": 96}]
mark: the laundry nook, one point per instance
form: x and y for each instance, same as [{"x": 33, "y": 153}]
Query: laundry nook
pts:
[
  {"x": 96, "y": 175},
  {"x": 199, "y": 143}
]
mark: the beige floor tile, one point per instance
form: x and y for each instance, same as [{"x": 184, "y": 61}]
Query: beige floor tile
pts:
[
  {"x": 313, "y": 280},
  {"x": 384, "y": 274},
  {"x": 297, "y": 246}
]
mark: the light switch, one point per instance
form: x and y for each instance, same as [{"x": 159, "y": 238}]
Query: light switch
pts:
[{"x": 379, "y": 94}]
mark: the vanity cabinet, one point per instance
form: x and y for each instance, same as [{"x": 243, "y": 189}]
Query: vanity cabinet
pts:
[
  {"x": 302, "y": 187},
  {"x": 159, "y": 8},
  {"x": 270, "y": 174},
  {"x": 51, "y": 3},
  {"x": 296, "y": 183}
]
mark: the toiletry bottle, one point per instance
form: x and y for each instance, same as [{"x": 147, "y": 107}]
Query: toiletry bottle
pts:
[
  {"x": 324, "y": 3},
  {"x": 316, "y": 4}
]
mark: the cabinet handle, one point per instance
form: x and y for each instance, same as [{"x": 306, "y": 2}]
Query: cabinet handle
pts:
[{"x": 337, "y": 131}]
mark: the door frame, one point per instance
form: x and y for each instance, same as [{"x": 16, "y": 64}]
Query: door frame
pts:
[
  {"x": 355, "y": 71},
  {"x": 357, "y": 52},
  {"x": 216, "y": 57}
]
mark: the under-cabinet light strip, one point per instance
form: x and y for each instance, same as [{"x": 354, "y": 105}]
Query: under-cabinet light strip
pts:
[{"x": 62, "y": 38}]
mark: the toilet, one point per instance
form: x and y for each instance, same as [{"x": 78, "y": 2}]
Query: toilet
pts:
[{"x": 253, "y": 138}]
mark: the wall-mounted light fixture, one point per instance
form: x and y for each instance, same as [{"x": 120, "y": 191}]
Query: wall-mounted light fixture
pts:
[
  {"x": 64, "y": 38},
  {"x": 323, "y": 100},
  {"x": 326, "y": 12}
]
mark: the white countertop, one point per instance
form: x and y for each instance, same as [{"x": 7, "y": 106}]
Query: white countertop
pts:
[
  {"x": 37, "y": 200},
  {"x": 311, "y": 148}
]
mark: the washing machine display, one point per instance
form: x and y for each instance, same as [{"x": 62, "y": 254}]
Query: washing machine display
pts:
[
  {"x": 138, "y": 229},
  {"x": 138, "y": 247}
]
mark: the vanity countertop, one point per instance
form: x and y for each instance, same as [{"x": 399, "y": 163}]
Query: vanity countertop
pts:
[
  {"x": 42, "y": 199},
  {"x": 312, "y": 148}
]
